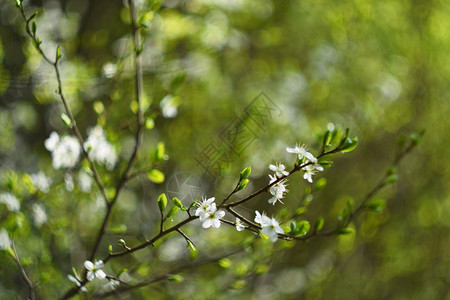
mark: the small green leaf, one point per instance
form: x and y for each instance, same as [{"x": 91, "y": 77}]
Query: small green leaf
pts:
[
  {"x": 377, "y": 205},
  {"x": 293, "y": 226},
  {"x": 110, "y": 249},
  {"x": 346, "y": 230},
  {"x": 19, "y": 3},
  {"x": 349, "y": 145},
  {"x": 302, "y": 228},
  {"x": 192, "y": 250},
  {"x": 33, "y": 16},
  {"x": 156, "y": 176},
  {"x": 225, "y": 263},
  {"x": 172, "y": 211},
  {"x": 33, "y": 27},
  {"x": 66, "y": 120},
  {"x": 325, "y": 163},
  {"x": 320, "y": 184},
  {"x": 326, "y": 139},
  {"x": 162, "y": 202},
  {"x": 242, "y": 185},
  {"x": 149, "y": 123},
  {"x": 245, "y": 173},
  {"x": 122, "y": 242},
  {"x": 176, "y": 278},
  {"x": 318, "y": 225},
  {"x": 58, "y": 52},
  {"x": 160, "y": 151},
  {"x": 177, "y": 202},
  {"x": 391, "y": 179}
]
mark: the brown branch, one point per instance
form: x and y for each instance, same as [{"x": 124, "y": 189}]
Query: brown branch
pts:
[{"x": 22, "y": 271}]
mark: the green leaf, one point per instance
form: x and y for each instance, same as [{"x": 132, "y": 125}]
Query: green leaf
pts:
[
  {"x": 245, "y": 173},
  {"x": 58, "y": 52},
  {"x": 225, "y": 263},
  {"x": 160, "y": 151},
  {"x": 156, "y": 176},
  {"x": 110, "y": 249},
  {"x": 325, "y": 163},
  {"x": 349, "y": 145},
  {"x": 66, "y": 120},
  {"x": 391, "y": 179},
  {"x": 98, "y": 107},
  {"x": 302, "y": 228},
  {"x": 293, "y": 227},
  {"x": 19, "y": 3},
  {"x": 320, "y": 184},
  {"x": 162, "y": 202},
  {"x": 149, "y": 123},
  {"x": 120, "y": 229},
  {"x": 33, "y": 27},
  {"x": 346, "y": 230},
  {"x": 33, "y": 16},
  {"x": 193, "y": 253},
  {"x": 377, "y": 205},
  {"x": 326, "y": 139},
  {"x": 176, "y": 278},
  {"x": 172, "y": 211},
  {"x": 242, "y": 185},
  {"x": 177, "y": 202},
  {"x": 318, "y": 225}
]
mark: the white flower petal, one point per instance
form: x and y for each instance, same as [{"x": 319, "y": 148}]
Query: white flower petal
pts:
[{"x": 88, "y": 265}]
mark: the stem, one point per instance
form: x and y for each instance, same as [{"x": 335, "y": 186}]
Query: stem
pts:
[{"x": 22, "y": 271}]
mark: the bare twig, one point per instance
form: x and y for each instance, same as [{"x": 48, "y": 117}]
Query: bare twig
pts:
[{"x": 22, "y": 271}]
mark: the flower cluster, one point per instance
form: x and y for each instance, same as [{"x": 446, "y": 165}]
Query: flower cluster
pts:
[
  {"x": 65, "y": 151},
  {"x": 277, "y": 190},
  {"x": 305, "y": 156},
  {"x": 270, "y": 226},
  {"x": 208, "y": 213},
  {"x": 99, "y": 149}
]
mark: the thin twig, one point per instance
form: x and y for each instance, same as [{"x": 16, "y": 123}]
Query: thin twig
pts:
[{"x": 22, "y": 271}]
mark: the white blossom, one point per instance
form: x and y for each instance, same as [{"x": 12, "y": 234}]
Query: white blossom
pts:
[
  {"x": 277, "y": 190},
  {"x": 77, "y": 281},
  {"x": 94, "y": 270},
  {"x": 99, "y": 149},
  {"x": 269, "y": 226},
  {"x": 212, "y": 218},
  {"x": 311, "y": 170},
  {"x": 10, "y": 201},
  {"x": 41, "y": 182},
  {"x": 279, "y": 170},
  {"x": 65, "y": 151},
  {"x": 39, "y": 214},
  {"x": 5, "y": 241},
  {"x": 302, "y": 152},
  {"x": 205, "y": 206},
  {"x": 272, "y": 229},
  {"x": 239, "y": 225}
]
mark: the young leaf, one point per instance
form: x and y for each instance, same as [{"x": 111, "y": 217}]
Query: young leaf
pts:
[
  {"x": 318, "y": 225},
  {"x": 156, "y": 176},
  {"x": 242, "y": 185},
  {"x": 162, "y": 202},
  {"x": 245, "y": 173},
  {"x": 346, "y": 230},
  {"x": 177, "y": 202},
  {"x": 58, "y": 52},
  {"x": 302, "y": 228},
  {"x": 172, "y": 211},
  {"x": 66, "y": 120},
  {"x": 160, "y": 151}
]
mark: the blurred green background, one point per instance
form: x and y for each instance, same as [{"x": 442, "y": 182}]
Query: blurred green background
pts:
[{"x": 380, "y": 68}]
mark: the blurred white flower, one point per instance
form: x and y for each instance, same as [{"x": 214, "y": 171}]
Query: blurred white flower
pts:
[
  {"x": 68, "y": 180},
  {"x": 169, "y": 106},
  {"x": 77, "y": 281},
  {"x": 41, "y": 182},
  {"x": 39, "y": 214},
  {"x": 10, "y": 201},
  {"x": 84, "y": 181},
  {"x": 99, "y": 149},
  {"x": 65, "y": 151},
  {"x": 94, "y": 270},
  {"x": 5, "y": 241},
  {"x": 109, "y": 70}
]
